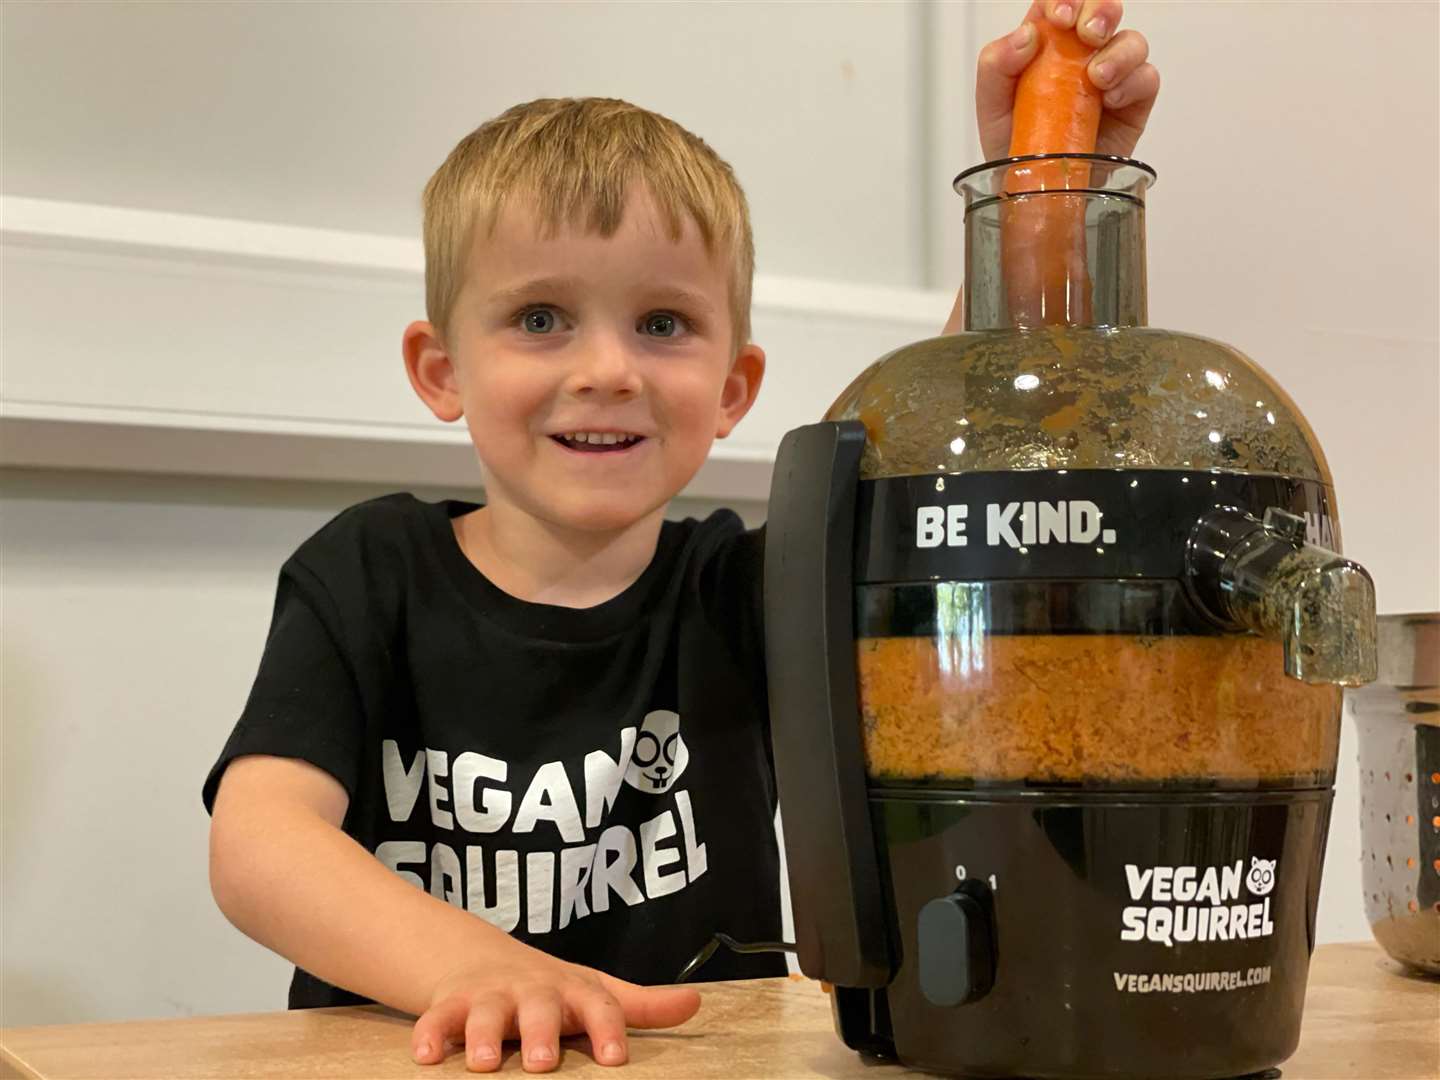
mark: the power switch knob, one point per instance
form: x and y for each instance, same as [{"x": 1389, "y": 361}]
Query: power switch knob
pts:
[{"x": 957, "y": 950}]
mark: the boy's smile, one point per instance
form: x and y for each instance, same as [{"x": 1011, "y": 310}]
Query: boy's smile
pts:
[{"x": 593, "y": 372}]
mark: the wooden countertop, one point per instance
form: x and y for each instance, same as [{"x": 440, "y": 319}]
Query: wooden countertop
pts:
[{"x": 1364, "y": 1019}]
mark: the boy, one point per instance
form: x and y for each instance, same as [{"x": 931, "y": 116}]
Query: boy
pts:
[{"x": 547, "y": 711}]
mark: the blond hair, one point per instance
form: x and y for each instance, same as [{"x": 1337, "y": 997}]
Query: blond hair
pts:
[{"x": 574, "y": 160}]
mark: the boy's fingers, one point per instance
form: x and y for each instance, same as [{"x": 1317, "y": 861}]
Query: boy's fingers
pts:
[
  {"x": 485, "y": 1028},
  {"x": 1123, "y": 121},
  {"x": 1113, "y": 64},
  {"x": 438, "y": 1025},
  {"x": 1097, "y": 21},
  {"x": 538, "y": 1015},
  {"x": 1140, "y": 86},
  {"x": 1005, "y": 57},
  {"x": 653, "y": 1006},
  {"x": 604, "y": 1022},
  {"x": 1062, "y": 12},
  {"x": 996, "y": 73},
  {"x": 956, "y": 322}
]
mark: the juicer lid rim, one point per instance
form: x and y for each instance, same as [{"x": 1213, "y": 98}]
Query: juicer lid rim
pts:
[
  {"x": 1100, "y": 193},
  {"x": 1114, "y": 159}
]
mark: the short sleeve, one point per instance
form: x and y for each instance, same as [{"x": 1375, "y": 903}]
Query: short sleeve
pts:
[
  {"x": 750, "y": 567},
  {"x": 304, "y": 703},
  {"x": 731, "y": 586}
]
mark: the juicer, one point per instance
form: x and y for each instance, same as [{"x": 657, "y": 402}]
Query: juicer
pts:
[{"x": 1057, "y": 623}]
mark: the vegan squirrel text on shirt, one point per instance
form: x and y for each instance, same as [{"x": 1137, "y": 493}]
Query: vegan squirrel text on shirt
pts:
[{"x": 593, "y": 864}]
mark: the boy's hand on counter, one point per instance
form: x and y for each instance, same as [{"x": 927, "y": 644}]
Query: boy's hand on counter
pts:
[
  {"x": 1119, "y": 69},
  {"x": 536, "y": 998}
]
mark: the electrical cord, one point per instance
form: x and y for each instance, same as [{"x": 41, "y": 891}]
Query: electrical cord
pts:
[{"x": 734, "y": 946}]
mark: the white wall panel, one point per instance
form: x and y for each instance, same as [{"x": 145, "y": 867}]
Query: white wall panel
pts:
[
  {"x": 202, "y": 336},
  {"x": 334, "y": 115}
]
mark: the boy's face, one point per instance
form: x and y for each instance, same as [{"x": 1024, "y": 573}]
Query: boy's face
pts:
[{"x": 626, "y": 340}]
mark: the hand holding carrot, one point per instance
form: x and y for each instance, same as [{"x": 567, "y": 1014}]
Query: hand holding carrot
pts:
[
  {"x": 1105, "y": 114},
  {"x": 1119, "y": 71}
]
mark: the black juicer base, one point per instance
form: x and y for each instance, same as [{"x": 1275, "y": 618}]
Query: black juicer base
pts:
[
  {"x": 1093, "y": 936},
  {"x": 890, "y": 1059}
]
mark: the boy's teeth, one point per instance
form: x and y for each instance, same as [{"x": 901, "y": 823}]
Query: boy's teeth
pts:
[
  {"x": 597, "y": 438},
  {"x": 601, "y": 438}
]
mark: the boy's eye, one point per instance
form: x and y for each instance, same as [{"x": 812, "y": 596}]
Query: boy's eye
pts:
[
  {"x": 539, "y": 321},
  {"x": 662, "y": 324}
]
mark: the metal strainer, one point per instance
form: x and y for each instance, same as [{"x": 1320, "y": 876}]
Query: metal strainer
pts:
[{"x": 1397, "y": 719}]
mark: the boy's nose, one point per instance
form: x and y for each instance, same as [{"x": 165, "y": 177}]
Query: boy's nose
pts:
[{"x": 605, "y": 366}]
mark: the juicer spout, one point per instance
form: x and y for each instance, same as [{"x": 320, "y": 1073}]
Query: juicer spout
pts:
[{"x": 1262, "y": 576}]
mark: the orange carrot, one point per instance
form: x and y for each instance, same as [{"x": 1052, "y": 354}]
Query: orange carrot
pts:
[
  {"x": 1057, "y": 111},
  {"x": 1057, "y": 107}
]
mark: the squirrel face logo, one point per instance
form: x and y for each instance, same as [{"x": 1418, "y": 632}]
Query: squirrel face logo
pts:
[
  {"x": 659, "y": 756},
  {"x": 1261, "y": 878}
]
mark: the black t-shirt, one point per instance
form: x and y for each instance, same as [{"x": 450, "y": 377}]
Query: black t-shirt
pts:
[{"x": 596, "y": 782}]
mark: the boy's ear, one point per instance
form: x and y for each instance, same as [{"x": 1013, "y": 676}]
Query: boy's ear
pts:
[
  {"x": 741, "y": 386},
  {"x": 431, "y": 371}
]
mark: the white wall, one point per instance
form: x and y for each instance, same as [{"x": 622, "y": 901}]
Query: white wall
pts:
[
  {"x": 1295, "y": 217},
  {"x": 334, "y": 115}
]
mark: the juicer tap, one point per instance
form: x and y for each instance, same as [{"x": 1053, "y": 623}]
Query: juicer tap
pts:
[{"x": 1262, "y": 576}]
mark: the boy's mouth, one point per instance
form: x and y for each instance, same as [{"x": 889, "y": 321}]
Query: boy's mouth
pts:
[{"x": 597, "y": 442}]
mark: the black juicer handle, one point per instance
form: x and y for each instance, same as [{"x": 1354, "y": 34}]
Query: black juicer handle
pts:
[{"x": 840, "y": 928}]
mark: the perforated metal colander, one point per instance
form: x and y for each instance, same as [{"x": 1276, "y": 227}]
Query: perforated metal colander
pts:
[{"x": 1397, "y": 719}]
